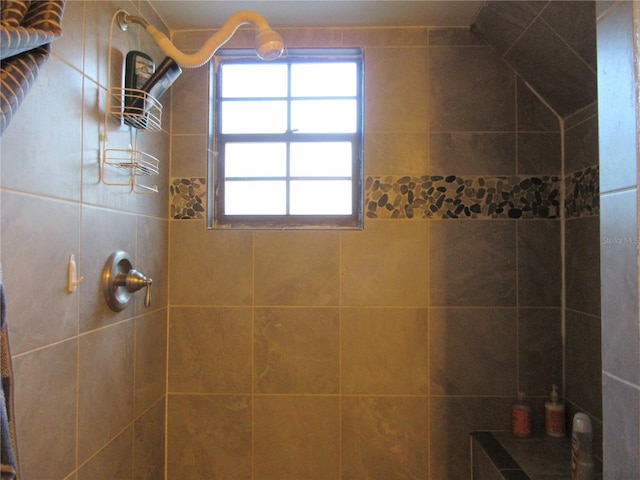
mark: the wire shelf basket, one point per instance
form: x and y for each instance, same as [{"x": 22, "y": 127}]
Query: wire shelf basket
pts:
[
  {"x": 134, "y": 163},
  {"x": 136, "y": 108}
]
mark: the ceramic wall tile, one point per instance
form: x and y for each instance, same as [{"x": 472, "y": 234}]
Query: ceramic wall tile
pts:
[
  {"x": 470, "y": 153},
  {"x": 558, "y": 74},
  {"x": 582, "y": 264},
  {"x": 70, "y": 47},
  {"x": 583, "y": 361},
  {"x": 303, "y": 37},
  {"x": 152, "y": 243},
  {"x": 296, "y": 437},
  {"x": 97, "y": 28},
  {"x": 470, "y": 89},
  {"x": 472, "y": 351},
  {"x": 108, "y": 232},
  {"x": 224, "y": 277},
  {"x": 210, "y": 437},
  {"x": 454, "y": 37},
  {"x": 113, "y": 461},
  {"x": 285, "y": 273},
  {"x": 296, "y": 350},
  {"x": 396, "y": 152},
  {"x": 617, "y": 97},
  {"x": 34, "y": 268},
  {"x": 581, "y": 37},
  {"x": 189, "y": 155},
  {"x": 539, "y": 263},
  {"x": 210, "y": 350},
  {"x": 539, "y": 350},
  {"x": 149, "y": 443},
  {"x": 47, "y": 436},
  {"x": 33, "y": 160},
  {"x": 581, "y": 145},
  {"x": 384, "y": 37},
  {"x": 384, "y": 351},
  {"x": 618, "y": 267},
  {"x": 150, "y": 359},
  {"x": 105, "y": 406},
  {"x": 451, "y": 419},
  {"x": 399, "y": 278},
  {"x": 190, "y": 109},
  {"x": 539, "y": 153},
  {"x": 534, "y": 115},
  {"x": 396, "y": 102},
  {"x": 385, "y": 437},
  {"x": 491, "y": 281},
  {"x": 502, "y": 23},
  {"x": 621, "y": 402}
]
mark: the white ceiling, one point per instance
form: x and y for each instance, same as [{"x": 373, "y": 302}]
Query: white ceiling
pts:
[{"x": 205, "y": 14}]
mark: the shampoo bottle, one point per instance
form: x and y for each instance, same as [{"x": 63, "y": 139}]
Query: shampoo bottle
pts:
[
  {"x": 581, "y": 448},
  {"x": 521, "y": 417},
  {"x": 554, "y": 418}
]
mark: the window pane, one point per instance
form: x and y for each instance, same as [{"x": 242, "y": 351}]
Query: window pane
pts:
[
  {"x": 317, "y": 197},
  {"x": 321, "y": 159},
  {"x": 324, "y": 116},
  {"x": 323, "y": 79},
  {"x": 255, "y": 198},
  {"x": 254, "y": 117},
  {"x": 255, "y": 159},
  {"x": 260, "y": 80}
]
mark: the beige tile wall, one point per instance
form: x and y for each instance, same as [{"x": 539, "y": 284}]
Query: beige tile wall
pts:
[
  {"x": 89, "y": 383},
  {"x": 366, "y": 354}
]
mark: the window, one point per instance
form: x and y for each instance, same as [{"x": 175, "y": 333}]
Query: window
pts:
[{"x": 287, "y": 140}]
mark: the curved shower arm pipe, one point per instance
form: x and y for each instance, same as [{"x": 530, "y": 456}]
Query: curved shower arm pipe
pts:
[{"x": 269, "y": 44}]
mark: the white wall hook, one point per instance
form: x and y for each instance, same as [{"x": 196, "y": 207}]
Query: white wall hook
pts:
[{"x": 72, "y": 275}]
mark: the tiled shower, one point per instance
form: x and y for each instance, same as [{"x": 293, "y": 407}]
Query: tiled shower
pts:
[
  {"x": 303, "y": 354},
  {"x": 372, "y": 354}
]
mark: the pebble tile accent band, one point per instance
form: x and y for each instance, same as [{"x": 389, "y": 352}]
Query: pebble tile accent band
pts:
[
  {"x": 582, "y": 193},
  {"x": 188, "y": 198},
  {"x": 436, "y": 196}
]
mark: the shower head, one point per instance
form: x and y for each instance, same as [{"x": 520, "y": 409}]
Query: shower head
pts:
[{"x": 269, "y": 44}]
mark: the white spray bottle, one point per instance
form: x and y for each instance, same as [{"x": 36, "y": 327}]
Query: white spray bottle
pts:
[{"x": 581, "y": 448}]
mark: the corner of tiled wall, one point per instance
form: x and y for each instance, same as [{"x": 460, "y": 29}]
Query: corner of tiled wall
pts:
[{"x": 89, "y": 382}]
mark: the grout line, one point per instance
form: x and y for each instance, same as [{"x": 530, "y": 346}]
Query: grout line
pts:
[
  {"x": 167, "y": 326},
  {"x": 133, "y": 389},
  {"x": 340, "y": 345},
  {"x": 536, "y": 16},
  {"x": 571, "y": 49},
  {"x": 253, "y": 357},
  {"x": 563, "y": 260},
  {"x": 517, "y": 231},
  {"x": 166, "y": 397},
  {"x": 621, "y": 380}
]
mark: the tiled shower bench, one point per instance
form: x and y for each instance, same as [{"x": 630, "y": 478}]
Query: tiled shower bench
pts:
[{"x": 503, "y": 456}]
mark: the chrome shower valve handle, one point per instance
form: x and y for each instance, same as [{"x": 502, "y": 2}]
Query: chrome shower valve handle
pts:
[
  {"x": 120, "y": 281},
  {"x": 134, "y": 281}
]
